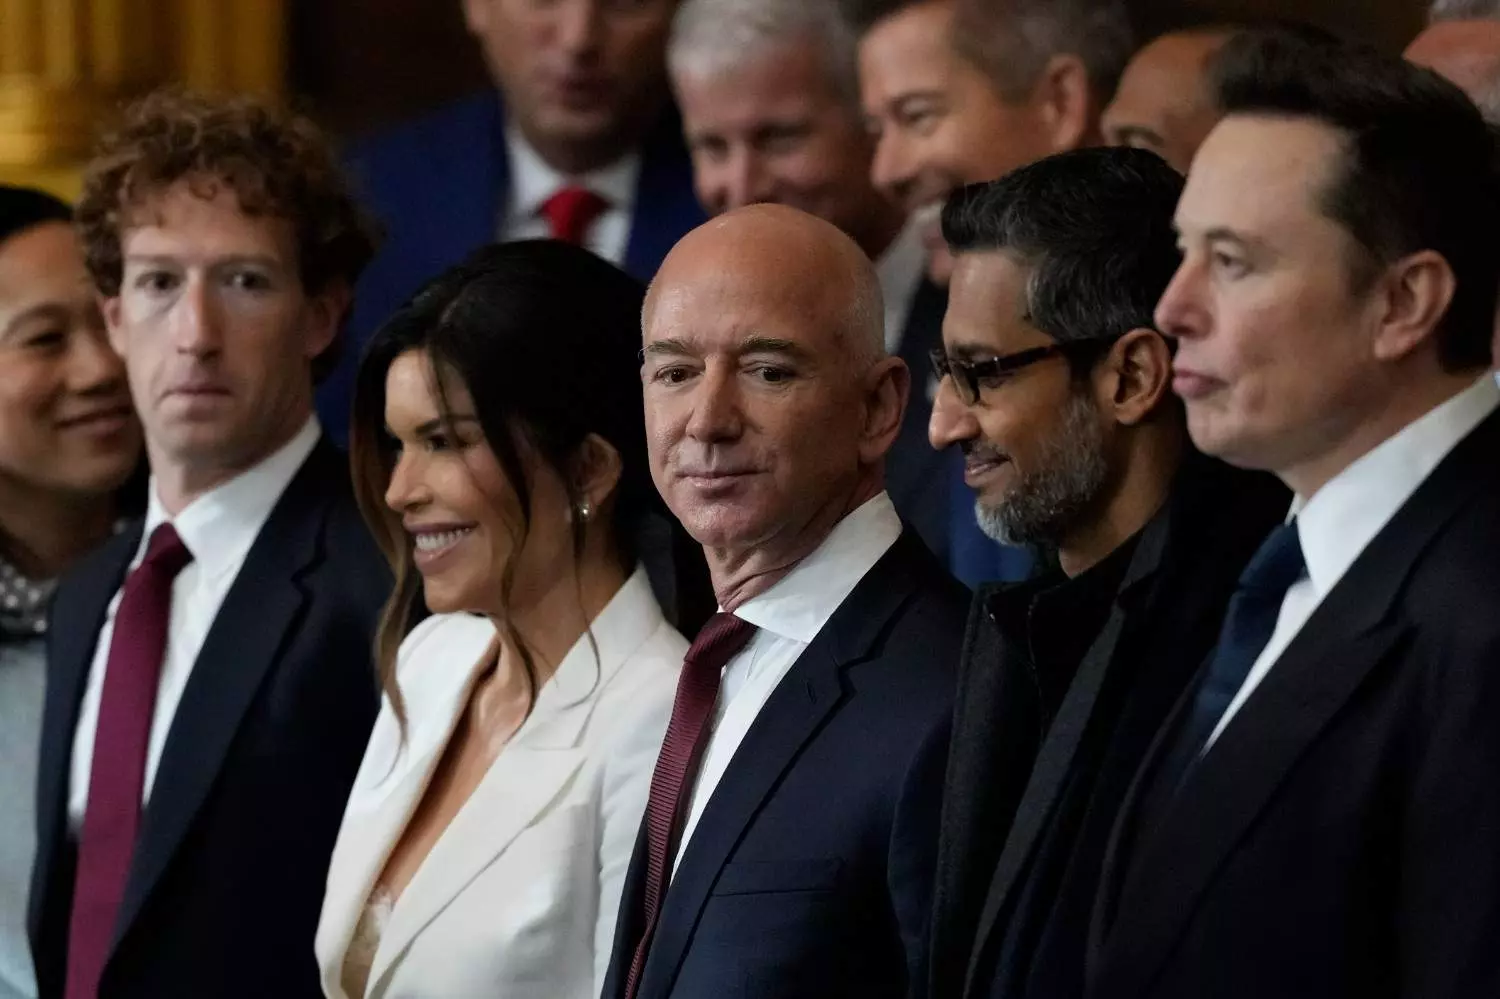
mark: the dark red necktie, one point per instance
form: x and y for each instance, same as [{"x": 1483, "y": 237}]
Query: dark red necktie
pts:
[
  {"x": 571, "y": 211},
  {"x": 677, "y": 764},
  {"x": 117, "y": 774}
]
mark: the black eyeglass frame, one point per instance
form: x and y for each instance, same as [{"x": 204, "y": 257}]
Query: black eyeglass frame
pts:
[{"x": 966, "y": 375}]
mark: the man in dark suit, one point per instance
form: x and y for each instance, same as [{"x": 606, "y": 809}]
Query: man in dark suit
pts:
[
  {"x": 210, "y": 682},
  {"x": 769, "y": 91},
  {"x": 578, "y": 141},
  {"x": 1057, "y": 389},
  {"x": 788, "y": 842},
  {"x": 1319, "y": 815}
]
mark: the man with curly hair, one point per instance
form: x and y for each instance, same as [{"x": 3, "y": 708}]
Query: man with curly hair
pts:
[{"x": 210, "y": 684}]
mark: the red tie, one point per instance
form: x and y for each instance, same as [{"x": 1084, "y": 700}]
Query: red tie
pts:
[
  {"x": 571, "y": 211},
  {"x": 118, "y": 771},
  {"x": 681, "y": 751}
]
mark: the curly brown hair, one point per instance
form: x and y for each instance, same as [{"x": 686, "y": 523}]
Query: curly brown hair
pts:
[{"x": 276, "y": 162}]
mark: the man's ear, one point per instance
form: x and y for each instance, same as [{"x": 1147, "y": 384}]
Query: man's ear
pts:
[
  {"x": 1137, "y": 376},
  {"x": 1417, "y": 292},
  {"x": 109, "y": 308},
  {"x": 1066, "y": 101},
  {"x": 887, "y": 386},
  {"x": 326, "y": 311}
]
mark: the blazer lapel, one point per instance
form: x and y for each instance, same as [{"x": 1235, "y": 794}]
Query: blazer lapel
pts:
[
  {"x": 240, "y": 650},
  {"x": 806, "y": 696},
  {"x": 519, "y": 788},
  {"x": 1352, "y": 632},
  {"x": 1055, "y": 759},
  {"x": 72, "y": 639}
]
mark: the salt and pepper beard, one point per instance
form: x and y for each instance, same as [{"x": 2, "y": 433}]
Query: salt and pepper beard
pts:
[{"x": 1070, "y": 474}]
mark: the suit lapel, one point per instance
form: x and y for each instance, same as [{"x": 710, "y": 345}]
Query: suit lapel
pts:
[
  {"x": 1351, "y": 634},
  {"x": 240, "y": 650},
  {"x": 1055, "y": 759},
  {"x": 519, "y": 787},
  {"x": 806, "y": 696},
  {"x": 73, "y": 637}
]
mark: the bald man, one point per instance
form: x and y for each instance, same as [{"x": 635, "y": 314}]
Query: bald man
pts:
[
  {"x": 1462, "y": 43},
  {"x": 789, "y": 844},
  {"x": 1165, "y": 102}
]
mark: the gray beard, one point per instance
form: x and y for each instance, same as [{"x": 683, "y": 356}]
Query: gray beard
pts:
[{"x": 1071, "y": 472}]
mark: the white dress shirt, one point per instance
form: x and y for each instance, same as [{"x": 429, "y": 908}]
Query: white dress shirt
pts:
[
  {"x": 218, "y": 528},
  {"x": 788, "y": 617},
  {"x": 533, "y": 181},
  {"x": 1340, "y": 520},
  {"x": 900, "y": 270}
]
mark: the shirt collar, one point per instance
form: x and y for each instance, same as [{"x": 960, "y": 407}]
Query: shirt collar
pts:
[
  {"x": 533, "y": 179},
  {"x": 900, "y": 270},
  {"x": 1343, "y": 517},
  {"x": 220, "y": 526},
  {"x": 801, "y": 602}
]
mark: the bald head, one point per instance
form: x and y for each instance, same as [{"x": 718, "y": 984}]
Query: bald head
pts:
[
  {"x": 770, "y": 403},
  {"x": 1165, "y": 101},
  {"x": 775, "y": 253},
  {"x": 1466, "y": 52}
]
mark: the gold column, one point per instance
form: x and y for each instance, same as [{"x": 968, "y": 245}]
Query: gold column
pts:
[{"x": 65, "y": 65}]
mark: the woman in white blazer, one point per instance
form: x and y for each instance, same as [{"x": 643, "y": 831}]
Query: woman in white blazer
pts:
[{"x": 499, "y": 456}]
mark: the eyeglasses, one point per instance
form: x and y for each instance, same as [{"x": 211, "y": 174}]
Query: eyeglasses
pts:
[{"x": 970, "y": 378}]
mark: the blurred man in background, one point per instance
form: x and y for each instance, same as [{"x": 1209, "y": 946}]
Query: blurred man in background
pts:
[
  {"x": 1165, "y": 102},
  {"x": 769, "y": 91},
  {"x": 578, "y": 141},
  {"x": 1462, "y": 43},
  {"x": 963, "y": 91}
]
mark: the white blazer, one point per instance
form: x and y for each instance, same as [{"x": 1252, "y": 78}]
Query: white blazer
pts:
[{"x": 517, "y": 899}]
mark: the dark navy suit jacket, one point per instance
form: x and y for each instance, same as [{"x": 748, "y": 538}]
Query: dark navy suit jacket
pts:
[
  {"x": 809, "y": 873},
  {"x": 226, "y": 882},
  {"x": 436, "y": 185}
]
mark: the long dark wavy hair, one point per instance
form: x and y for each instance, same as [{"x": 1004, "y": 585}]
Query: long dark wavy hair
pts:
[{"x": 545, "y": 336}]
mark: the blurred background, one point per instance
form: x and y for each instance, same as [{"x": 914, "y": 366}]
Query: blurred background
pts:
[{"x": 355, "y": 65}]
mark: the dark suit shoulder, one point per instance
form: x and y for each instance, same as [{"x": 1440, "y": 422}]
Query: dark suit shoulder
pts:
[
  {"x": 410, "y": 144},
  {"x": 914, "y": 659}
]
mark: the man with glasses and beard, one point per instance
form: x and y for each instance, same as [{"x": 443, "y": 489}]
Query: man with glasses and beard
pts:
[{"x": 1057, "y": 387}]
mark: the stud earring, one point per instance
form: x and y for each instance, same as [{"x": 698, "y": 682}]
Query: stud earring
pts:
[{"x": 585, "y": 511}]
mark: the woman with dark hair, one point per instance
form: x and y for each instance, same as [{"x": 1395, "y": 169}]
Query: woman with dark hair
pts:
[
  {"x": 69, "y": 442},
  {"x": 499, "y": 456}
]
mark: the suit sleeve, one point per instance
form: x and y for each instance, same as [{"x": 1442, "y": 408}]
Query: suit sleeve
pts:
[
  {"x": 626, "y": 784},
  {"x": 913, "y": 851},
  {"x": 1449, "y": 907}
]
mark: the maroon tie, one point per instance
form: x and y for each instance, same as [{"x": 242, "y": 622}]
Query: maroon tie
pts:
[
  {"x": 571, "y": 211},
  {"x": 672, "y": 782},
  {"x": 117, "y": 775}
]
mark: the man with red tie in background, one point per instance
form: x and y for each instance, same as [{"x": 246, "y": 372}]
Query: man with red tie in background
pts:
[
  {"x": 789, "y": 839},
  {"x": 578, "y": 141},
  {"x": 210, "y": 685}
]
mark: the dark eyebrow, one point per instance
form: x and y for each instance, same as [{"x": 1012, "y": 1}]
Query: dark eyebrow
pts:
[
  {"x": 439, "y": 424},
  {"x": 47, "y": 310}
]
